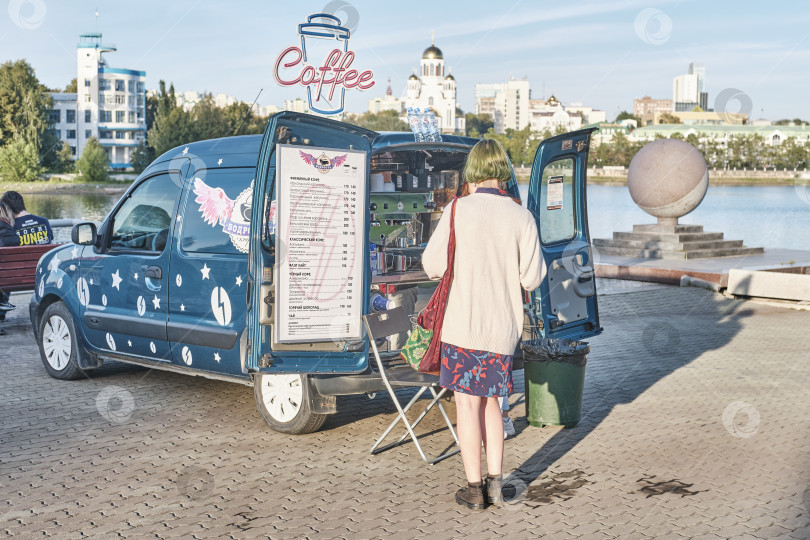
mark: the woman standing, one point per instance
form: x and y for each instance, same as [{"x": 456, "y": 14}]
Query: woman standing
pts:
[{"x": 497, "y": 253}]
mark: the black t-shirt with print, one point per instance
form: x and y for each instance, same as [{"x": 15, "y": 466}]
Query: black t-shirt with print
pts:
[{"x": 33, "y": 230}]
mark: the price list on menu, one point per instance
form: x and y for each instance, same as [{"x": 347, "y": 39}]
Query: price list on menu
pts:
[{"x": 320, "y": 236}]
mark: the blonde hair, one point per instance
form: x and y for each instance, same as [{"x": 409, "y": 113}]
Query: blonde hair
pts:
[
  {"x": 6, "y": 214},
  {"x": 487, "y": 160}
]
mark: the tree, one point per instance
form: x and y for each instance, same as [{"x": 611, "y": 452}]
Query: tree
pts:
[
  {"x": 93, "y": 163},
  {"x": 64, "y": 159},
  {"x": 72, "y": 87},
  {"x": 142, "y": 156},
  {"x": 478, "y": 124},
  {"x": 624, "y": 115},
  {"x": 24, "y": 104},
  {"x": 667, "y": 118},
  {"x": 19, "y": 161},
  {"x": 381, "y": 121}
]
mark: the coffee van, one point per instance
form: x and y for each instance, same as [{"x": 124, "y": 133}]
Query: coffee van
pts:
[{"x": 251, "y": 259}]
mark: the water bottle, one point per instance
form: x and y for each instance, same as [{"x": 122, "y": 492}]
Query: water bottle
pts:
[
  {"x": 379, "y": 302},
  {"x": 373, "y": 261},
  {"x": 435, "y": 135},
  {"x": 424, "y": 122},
  {"x": 415, "y": 124}
]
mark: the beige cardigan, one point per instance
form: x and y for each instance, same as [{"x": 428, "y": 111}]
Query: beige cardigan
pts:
[{"x": 497, "y": 253}]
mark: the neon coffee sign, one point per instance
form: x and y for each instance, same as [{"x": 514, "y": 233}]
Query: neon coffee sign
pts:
[{"x": 323, "y": 40}]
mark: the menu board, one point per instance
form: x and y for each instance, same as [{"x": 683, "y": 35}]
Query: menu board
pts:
[{"x": 320, "y": 241}]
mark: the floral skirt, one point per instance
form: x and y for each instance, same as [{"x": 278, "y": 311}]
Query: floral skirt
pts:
[{"x": 478, "y": 373}]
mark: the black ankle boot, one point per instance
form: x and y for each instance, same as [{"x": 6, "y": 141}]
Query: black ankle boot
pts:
[
  {"x": 472, "y": 496},
  {"x": 494, "y": 490}
]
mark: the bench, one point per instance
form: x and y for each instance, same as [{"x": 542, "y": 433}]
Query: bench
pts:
[{"x": 18, "y": 266}]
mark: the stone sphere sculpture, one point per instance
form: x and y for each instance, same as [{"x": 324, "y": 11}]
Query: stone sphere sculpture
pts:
[{"x": 668, "y": 179}]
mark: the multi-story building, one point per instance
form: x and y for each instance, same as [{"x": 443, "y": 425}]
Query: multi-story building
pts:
[
  {"x": 589, "y": 114},
  {"x": 685, "y": 95},
  {"x": 508, "y": 103},
  {"x": 642, "y": 106},
  {"x": 109, "y": 105},
  {"x": 699, "y": 69}
]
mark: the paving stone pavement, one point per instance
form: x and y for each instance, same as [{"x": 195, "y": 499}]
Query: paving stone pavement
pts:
[{"x": 695, "y": 425}]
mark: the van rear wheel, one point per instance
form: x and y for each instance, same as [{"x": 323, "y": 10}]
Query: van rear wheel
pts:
[{"x": 285, "y": 403}]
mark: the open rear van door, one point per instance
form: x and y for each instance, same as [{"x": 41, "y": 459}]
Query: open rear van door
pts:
[
  {"x": 309, "y": 254},
  {"x": 565, "y": 305}
]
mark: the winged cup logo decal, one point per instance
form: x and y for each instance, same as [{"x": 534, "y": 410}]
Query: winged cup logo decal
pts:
[
  {"x": 322, "y": 162},
  {"x": 233, "y": 215}
]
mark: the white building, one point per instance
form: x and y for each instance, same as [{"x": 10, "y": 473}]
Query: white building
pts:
[
  {"x": 507, "y": 103},
  {"x": 589, "y": 114},
  {"x": 436, "y": 90},
  {"x": 387, "y": 103},
  {"x": 551, "y": 115},
  {"x": 685, "y": 95},
  {"x": 109, "y": 105}
]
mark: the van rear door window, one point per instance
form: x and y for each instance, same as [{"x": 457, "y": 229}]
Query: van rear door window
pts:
[{"x": 216, "y": 213}]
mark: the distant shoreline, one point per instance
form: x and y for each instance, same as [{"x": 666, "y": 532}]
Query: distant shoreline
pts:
[
  {"x": 118, "y": 188},
  {"x": 622, "y": 181}
]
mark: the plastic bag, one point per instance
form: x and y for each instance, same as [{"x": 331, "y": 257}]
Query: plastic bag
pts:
[{"x": 566, "y": 351}]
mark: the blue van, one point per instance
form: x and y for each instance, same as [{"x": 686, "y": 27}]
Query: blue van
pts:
[{"x": 182, "y": 273}]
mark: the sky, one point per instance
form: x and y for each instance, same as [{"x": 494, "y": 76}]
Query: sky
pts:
[{"x": 602, "y": 53}]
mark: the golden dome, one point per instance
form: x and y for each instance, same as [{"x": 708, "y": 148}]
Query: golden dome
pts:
[{"x": 432, "y": 52}]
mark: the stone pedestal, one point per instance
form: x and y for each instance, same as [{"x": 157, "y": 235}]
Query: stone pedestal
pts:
[{"x": 669, "y": 240}]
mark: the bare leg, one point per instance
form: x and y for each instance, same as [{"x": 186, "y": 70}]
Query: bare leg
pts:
[
  {"x": 469, "y": 418},
  {"x": 493, "y": 436}
]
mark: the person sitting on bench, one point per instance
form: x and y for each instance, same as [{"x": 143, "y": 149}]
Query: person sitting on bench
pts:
[
  {"x": 30, "y": 228},
  {"x": 8, "y": 237}
]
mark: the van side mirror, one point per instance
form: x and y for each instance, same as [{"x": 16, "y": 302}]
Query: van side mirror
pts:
[{"x": 84, "y": 234}]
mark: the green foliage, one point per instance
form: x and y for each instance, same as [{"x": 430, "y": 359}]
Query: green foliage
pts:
[
  {"x": 624, "y": 115},
  {"x": 477, "y": 124},
  {"x": 24, "y": 104},
  {"x": 142, "y": 155},
  {"x": 520, "y": 145},
  {"x": 794, "y": 122},
  {"x": 381, "y": 121},
  {"x": 72, "y": 87},
  {"x": 64, "y": 159},
  {"x": 667, "y": 118},
  {"x": 93, "y": 163},
  {"x": 19, "y": 161},
  {"x": 169, "y": 126}
]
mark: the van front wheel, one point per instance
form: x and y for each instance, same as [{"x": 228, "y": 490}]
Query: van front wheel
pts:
[{"x": 285, "y": 403}]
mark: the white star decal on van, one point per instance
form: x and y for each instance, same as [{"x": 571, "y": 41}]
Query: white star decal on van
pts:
[
  {"x": 182, "y": 307},
  {"x": 216, "y": 357},
  {"x": 136, "y": 276},
  {"x": 219, "y": 162},
  {"x": 74, "y": 252},
  {"x": 185, "y": 150},
  {"x": 116, "y": 277},
  {"x": 239, "y": 281},
  {"x": 54, "y": 264},
  {"x": 205, "y": 271},
  {"x": 156, "y": 301}
]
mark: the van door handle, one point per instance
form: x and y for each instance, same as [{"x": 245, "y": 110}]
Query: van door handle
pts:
[{"x": 154, "y": 272}]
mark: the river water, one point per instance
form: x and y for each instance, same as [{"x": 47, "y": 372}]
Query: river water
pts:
[{"x": 766, "y": 216}]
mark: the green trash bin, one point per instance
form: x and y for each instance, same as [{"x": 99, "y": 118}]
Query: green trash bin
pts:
[{"x": 554, "y": 375}]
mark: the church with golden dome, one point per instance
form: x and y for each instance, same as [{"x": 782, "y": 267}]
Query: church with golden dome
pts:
[{"x": 433, "y": 87}]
